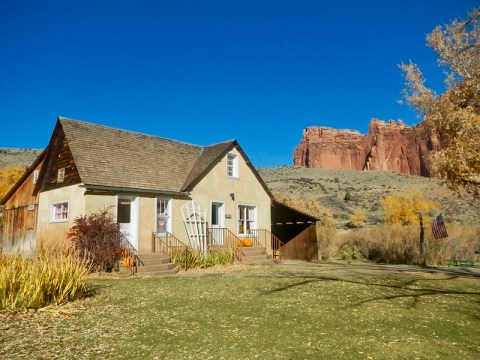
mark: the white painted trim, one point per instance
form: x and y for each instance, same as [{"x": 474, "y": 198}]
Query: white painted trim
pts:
[
  {"x": 235, "y": 166},
  {"x": 52, "y": 212},
  {"x": 134, "y": 217},
  {"x": 221, "y": 215},
  {"x": 255, "y": 217},
  {"x": 169, "y": 214}
]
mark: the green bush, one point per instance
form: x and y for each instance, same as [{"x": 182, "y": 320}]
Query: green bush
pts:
[
  {"x": 48, "y": 278},
  {"x": 350, "y": 253},
  {"x": 186, "y": 258}
]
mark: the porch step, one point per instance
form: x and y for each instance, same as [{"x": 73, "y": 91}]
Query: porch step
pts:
[
  {"x": 155, "y": 265},
  {"x": 255, "y": 256}
]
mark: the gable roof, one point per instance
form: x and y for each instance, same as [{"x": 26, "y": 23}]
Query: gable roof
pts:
[
  {"x": 106, "y": 157},
  {"x": 117, "y": 158}
]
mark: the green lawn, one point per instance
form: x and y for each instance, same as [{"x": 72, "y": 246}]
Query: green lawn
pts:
[{"x": 284, "y": 312}]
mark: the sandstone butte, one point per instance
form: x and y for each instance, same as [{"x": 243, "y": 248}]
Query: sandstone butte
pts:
[{"x": 390, "y": 146}]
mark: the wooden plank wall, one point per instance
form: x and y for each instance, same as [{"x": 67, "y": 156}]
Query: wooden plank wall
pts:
[
  {"x": 303, "y": 246},
  {"x": 19, "y": 228}
]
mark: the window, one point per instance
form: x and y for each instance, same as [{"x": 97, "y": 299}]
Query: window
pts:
[
  {"x": 163, "y": 217},
  {"x": 246, "y": 219},
  {"x": 35, "y": 176},
  {"x": 60, "y": 212},
  {"x": 232, "y": 165},
  {"x": 61, "y": 175}
]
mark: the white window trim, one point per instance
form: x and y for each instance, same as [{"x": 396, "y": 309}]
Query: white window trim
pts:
[
  {"x": 221, "y": 218},
  {"x": 169, "y": 214},
  {"x": 52, "y": 212},
  {"x": 35, "y": 176},
  {"x": 254, "y": 225},
  {"x": 61, "y": 175},
  {"x": 235, "y": 165}
]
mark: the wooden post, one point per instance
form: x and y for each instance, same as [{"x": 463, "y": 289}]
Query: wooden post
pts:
[{"x": 423, "y": 259}]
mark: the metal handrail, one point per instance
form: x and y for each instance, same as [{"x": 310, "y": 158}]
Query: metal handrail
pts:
[
  {"x": 128, "y": 254},
  {"x": 224, "y": 237},
  {"x": 264, "y": 238},
  {"x": 165, "y": 243}
]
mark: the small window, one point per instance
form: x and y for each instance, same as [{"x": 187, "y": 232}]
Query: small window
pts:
[
  {"x": 232, "y": 166},
  {"x": 35, "y": 176},
  {"x": 60, "y": 212},
  {"x": 61, "y": 175}
]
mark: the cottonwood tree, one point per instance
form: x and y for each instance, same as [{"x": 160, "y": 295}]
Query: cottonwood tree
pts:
[
  {"x": 9, "y": 175},
  {"x": 409, "y": 207},
  {"x": 455, "y": 114}
]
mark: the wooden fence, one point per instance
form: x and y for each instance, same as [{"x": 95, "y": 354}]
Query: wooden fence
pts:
[{"x": 303, "y": 246}]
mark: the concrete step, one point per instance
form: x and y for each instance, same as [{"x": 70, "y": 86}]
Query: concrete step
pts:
[
  {"x": 151, "y": 261},
  {"x": 253, "y": 252},
  {"x": 148, "y": 256},
  {"x": 155, "y": 268},
  {"x": 255, "y": 257}
]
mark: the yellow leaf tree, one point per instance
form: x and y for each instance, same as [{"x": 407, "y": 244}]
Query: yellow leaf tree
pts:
[
  {"x": 358, "y": 218},
  {"x": 409, "y": 207},
  {"x": 9, "y": 175},
  {"x": 455, "y": 114}
]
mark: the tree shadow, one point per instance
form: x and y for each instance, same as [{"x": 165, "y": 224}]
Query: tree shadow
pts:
[{"x": 409, "y": 289}]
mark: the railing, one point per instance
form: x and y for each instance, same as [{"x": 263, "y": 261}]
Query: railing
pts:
[
  {"x": 165, "y": 243},
  {"x": 128, "y": 253},
  {"x": 224, "y": 237},
  {"x": 264, "y": 238}
]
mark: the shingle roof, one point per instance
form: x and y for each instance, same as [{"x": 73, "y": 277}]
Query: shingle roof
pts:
[{"x": 112, "y": 157}]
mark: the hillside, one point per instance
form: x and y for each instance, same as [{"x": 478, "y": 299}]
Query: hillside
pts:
[
  {"x": 18, "y": 157},
  {"x": 366, "y": 188}
]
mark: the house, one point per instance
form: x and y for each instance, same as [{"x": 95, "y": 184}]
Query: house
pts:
[{"x": 162, "y": 193}]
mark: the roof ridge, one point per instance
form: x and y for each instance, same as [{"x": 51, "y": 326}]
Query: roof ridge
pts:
[{"x": 61, "y": 118}]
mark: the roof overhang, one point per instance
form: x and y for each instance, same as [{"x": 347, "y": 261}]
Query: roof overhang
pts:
[{"x": 125, "y": 190}]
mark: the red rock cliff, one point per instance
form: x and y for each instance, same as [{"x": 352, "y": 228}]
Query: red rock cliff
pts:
[{"x": 388, "y": 146}]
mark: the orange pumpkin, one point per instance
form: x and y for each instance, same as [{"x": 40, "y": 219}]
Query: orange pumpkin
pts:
[
  {"x": 247, "y": 242},
  {"x": 240, "y": 243}
]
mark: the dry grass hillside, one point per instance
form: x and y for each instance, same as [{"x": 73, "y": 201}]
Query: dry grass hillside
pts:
[
  {"x": 18, "y": 157},
  {"x": 365, "y": 189}
]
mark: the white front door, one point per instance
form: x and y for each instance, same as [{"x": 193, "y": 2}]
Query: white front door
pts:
[
  {"x": 127, "y": 218},
  {"x": 217, "y": 222}
]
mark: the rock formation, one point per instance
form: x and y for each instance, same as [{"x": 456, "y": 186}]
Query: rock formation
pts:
[{"x": 390, "y": 146}]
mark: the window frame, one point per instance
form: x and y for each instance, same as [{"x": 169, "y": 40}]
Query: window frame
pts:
[
  {"x": 232, "y": 169},
  {"x": 36, "y": 173},
  {"x": 244, "y": 220},
  {"x": 61, "y": 175},
  {"x": 53, "y": 212}
]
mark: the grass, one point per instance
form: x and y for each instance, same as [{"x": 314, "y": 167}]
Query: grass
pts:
[
  {"x": 304, "y": 311},
  {"x": 45, "y": 279}
]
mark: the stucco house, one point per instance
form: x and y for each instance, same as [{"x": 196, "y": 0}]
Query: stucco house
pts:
[{"x": 160, "y": 192}]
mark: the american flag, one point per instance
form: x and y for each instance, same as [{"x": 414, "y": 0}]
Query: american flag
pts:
[{"x": 438, "y": 228}]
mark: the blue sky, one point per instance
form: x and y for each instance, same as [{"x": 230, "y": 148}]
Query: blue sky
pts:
[{"x": 207, "y": 71}]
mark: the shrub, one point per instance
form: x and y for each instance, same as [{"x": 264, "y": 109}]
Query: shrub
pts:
[
  {"x": 97, "y": 237},
  {"x": 358, "y": 218},
  {"x": 399, "y": 244},
  {"x": 48, "y": 278},
  {"x": 186, "y": 258},
  {"x": 349, "y": 253}
]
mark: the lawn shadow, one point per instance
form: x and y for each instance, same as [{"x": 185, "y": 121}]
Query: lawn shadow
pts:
[{"x": 409, "y": 289}]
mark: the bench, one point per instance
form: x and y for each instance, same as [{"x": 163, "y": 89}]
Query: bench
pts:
[{"x": 461, "y": 263}]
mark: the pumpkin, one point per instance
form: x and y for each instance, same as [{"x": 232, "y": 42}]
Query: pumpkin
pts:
[
  {"x": 240, "y": 243},
  {"x": 247, "y": 242}
]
